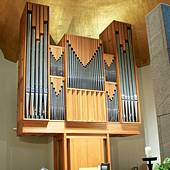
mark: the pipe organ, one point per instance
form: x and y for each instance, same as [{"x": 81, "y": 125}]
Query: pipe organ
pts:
[{"x": 80, "y": 88}]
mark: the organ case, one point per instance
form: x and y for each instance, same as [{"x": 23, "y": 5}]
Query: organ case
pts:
[{"x": 79, "y": 80}]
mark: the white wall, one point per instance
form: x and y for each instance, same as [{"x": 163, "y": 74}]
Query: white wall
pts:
[
  {"x": 148, "y": 110},
  {"x": 18, "y": 153},
  {"x": 128, "y": 152}
]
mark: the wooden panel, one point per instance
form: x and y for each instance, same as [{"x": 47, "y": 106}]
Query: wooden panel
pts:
[
  {"x": 125, "y": 31},
  {"x": 46, "y": 14},
  {"x": 86, "y": 105},
  {"x": 64, "y": 152},
  {"x": 21, "y": 66},
  {"x": 123, "y": 36},
  {"x": 30, "y": 127},
  {"x": 120, "y": 34},
  {"x": 38, "y": 24},
  {"x": 41, "y": 20},
  {"x": 110, "y": 40},
  {"x": 34, "y": 16},
  {"x": 110, "y": 87},
  {"x": 69, "y": 105},
  {"x": 108, "y": 58},
  {"x": 86, "y": 152},
  {"x": 57, "y": 83},
  {"x": 78, "y": 153},
  {"x": 55, "y": 154},
  {"x": 108, "y": 160},
  {"x": 83, "y": 47},
  {"x": 95, "y": 152},
  {"x": 29, "y": 6},
  {"x": 56, "y": 51}
]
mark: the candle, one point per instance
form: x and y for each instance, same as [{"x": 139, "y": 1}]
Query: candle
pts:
[{"x": 148, "y": 151}]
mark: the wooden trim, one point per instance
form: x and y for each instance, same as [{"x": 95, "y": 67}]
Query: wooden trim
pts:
[
  {"x": 34, "y": 16},
  {"x": 28, "y": 127},
  {"x": 41, "y": 20},
  {"x": 108, "y": 160},
  {"x": 29, "y": 6},
  {"x": 64, "y": 152},
  {"x": 38, "y": 23},
  {"x": 55, "y": 152}
]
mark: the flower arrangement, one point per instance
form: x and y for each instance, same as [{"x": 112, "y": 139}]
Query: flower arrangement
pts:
[{"x": 164, "y": 165}]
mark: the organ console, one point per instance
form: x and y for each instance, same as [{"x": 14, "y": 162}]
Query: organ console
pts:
[{"x": 81, "y": 91}]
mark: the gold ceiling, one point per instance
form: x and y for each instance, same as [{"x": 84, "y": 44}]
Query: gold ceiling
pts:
[{"x": 80, "y": 17}]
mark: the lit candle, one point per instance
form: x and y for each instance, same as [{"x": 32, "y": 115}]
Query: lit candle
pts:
[{"x": 148, "y": 151}]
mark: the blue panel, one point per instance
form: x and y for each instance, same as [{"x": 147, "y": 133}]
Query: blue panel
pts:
[{"x": 166, "y": 18}]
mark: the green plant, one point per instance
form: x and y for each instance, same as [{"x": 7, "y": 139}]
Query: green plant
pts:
[{"x": 164, "y": 165}]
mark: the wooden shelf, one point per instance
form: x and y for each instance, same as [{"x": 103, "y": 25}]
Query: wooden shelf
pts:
[{"x": 51, "y": 128}]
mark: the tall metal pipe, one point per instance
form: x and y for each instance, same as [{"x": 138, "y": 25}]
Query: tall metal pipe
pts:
[
  {"x": 120, "y": 71},
  {"x": 32, "y": 73},
  {"x": 36, "y": 78},
  {"x": 28, "y": 66},
  {"x": 133, "y": 75},
  {"x": 41, "y": 77},
  {"x": 45, "y": 70},
  {"x": 131, "y": 109}
]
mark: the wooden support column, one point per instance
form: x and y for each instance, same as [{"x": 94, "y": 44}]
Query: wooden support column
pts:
[
  {"x": 64, "y": 152},
  {"x": 108, "y": 150}
]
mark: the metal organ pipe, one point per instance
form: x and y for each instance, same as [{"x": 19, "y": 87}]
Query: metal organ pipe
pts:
[
  {"x": 36, "y": 73},
  {"x": 127, "y": 80},
  {"x": 28, "y": 66},
  {"x": 85, "y": 77},
  {"x": 45, "y": 71},
  {"x": 32, "y": 73}
]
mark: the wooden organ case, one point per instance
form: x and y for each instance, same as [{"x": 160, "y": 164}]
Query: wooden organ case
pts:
[{"x": 81, "y": 91}]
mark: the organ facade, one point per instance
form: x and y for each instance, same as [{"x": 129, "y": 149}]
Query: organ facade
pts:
[{"x": 81, "y": 91}]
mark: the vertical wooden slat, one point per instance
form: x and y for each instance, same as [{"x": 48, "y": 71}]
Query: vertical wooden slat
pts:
[
  {"x": 68, "y": 154},
  {"x": 29, "y": 6},
  {"x": 85, "y": 111},
  {"x": 55, "y": 153},
  {"x": 41, "y": 20},
  {"x": 108, "y": 160},
  {"x": 34, "y": 16},
  {"x": 64, "y": 151},
  {"x": 65, "y": 74},
  {"x": 38, "y": 23},
  {"x": 120, "y": 33},
  {"x": 123, "y": 37},
  {"x": 45, "y": 14},
  {"x": 103, "y": 106},
  {"x": 74, "y": 104},
  {"x": 69, "y": 105},
  {"x": 81, "y": 104},
  {"x": 115, "y": 26},
  {"x": 94, "y": 106},
  {"x": 125, "y": 31},
  {"x": 88, "y": 105},
  {"x": 110, "y": 41},
  {"x": 78, "y": 105}
]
